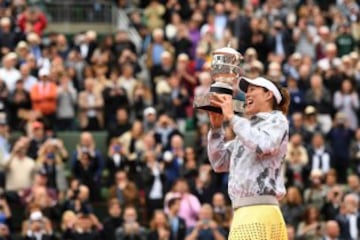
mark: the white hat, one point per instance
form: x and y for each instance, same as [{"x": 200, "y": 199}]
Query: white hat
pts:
[
  {"x": 261, "y": 82},
  {"x": 44, "y": 72},
  {"x": 149, "y": 110},
  {"x": 36, "y": 216}
]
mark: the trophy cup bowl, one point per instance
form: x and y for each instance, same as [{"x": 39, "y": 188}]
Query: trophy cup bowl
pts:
[{"x": 225, "y": 70}]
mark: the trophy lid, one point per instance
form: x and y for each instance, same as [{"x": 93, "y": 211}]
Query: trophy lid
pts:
[{"x": 226, "y": 50}]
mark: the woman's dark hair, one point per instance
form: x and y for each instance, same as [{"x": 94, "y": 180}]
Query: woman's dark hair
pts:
[{"x": 285, "y": 101}]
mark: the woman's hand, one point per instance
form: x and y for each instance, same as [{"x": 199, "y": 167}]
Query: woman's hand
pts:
[{"x": 223, "y": 101}]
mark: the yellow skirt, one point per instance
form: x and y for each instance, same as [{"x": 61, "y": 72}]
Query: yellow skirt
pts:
[{"x": 258, "y": 222}]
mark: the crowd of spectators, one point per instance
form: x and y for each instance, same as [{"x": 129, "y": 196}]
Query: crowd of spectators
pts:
[{"x": 154, "y": 184}]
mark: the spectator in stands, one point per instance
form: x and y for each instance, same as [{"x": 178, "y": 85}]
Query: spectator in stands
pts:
[
  {"x": 204, "y": 183},
  {"x": 142, "y": 99},
  {"x": 8, "y": 73},
  {"x": 353, "y": 184},
  {"x": 127, "y": 80},
  {"x": 153, "y": 182},
  {"x": 332, "y": 204},
  {"x": 115, "y": 97},
  {"x": 355, "y": 152},
  {"x": 340, "y": 137},
  {"x": 310, "y": 227},
  {"x": 37, "y": 139},
  {"x": 179, "y": 99},
  {"x": 332, "y": 230},
  {"x": 67, "y": 98},
  {"x": 150, "y": 118},
  {"x": 222, "y": 211},
  {"x": 122, "y": 42},
  {"x": 131, "y": 141},
  {"x": 84, "y": 227},
  {"x": 190, "y": 167},
  {"x": 154, "y": 13},
  {"x": 131, "y": 229},
  {"x": 311, "y": 122},
  {"x": 159, "y": 226},
  {"x": 315, "y": 194},
  {"x": 206, "y": 227},
  {"x": 87, "y": 143},
  {"x": 52, "y": 155},
  {"x": 116, "y": 160},
  {"x": 121, "y": 124},
  {"x": 88, "y": 171},
  {"x": 177, "y": 224},
  {"x": 28, "y": 79},
  {"x": 37, "y": 225},
  {"x": 44, "y": 97},
  {"x": 91, "y": 105},
  {"x": 296, "y": 162},
  {"x": 5, "y": 232},
  {"x": 346, "y": 100},
  {"x": 113, "y": 220},
  {"x": 279, "y": 42},
  {"x": 349, "y": 219},
  {"x": 320, "y": 97},
  {"x": 189, "y": 204},
  {"x": 20, "y": 107},
  {"x": 292, "y": 207},
  {"x": 124, "y": 190},
  {"x": 45, "y": 197},
  {"x": 19, "y": 180},
  {"x": 345, "y": 41},
  {"x": 320, "y": 157},
  {"x": 165, "y": 70},
  {"x": 8, "y": 37},
  {"x": 174, "y": 160},
  {"x": 32, "y": 20},
  {"x": 155, "y": 50}
]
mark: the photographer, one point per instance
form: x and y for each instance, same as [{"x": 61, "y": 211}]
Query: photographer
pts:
[
  {"x": 83, "y": 227},
  {"x": 206, "y": 228},
  {"x": 131, "y": 228},
  {"x": 78, "y": 202},
  {"x": 85, "y": 170},
  {"x": 51, "y": 156},
  {"x": 116, "y": 160},
  {"x": 37, "y": 226},
  {"x": 331, "y": 207}
]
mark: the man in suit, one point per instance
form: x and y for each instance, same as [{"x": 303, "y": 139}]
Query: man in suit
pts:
[
  {"x": 177, "y": 224},
  {"x": 349, "y": 221},
  {"x": 332, "y": 231}
]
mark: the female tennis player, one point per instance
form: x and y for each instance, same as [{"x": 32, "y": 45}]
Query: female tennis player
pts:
[{"x": 254, "y": 158}]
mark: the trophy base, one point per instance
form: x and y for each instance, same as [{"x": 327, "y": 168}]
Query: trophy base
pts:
[
  {"x": 210, "y": 109},
  {"x": 203, "y": 102}
]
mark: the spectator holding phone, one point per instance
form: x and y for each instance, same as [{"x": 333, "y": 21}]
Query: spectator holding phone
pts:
[
  {"x": 131, "y": 228},
  {"x": 206, "y": 227}
]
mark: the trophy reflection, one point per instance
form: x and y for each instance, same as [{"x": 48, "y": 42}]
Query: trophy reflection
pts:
[{"x": 225, "y": 71}]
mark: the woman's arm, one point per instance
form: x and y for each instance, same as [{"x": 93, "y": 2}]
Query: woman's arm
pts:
[
  {"x": 219, "y": 152},
  {"x": 265, "y": 139}
]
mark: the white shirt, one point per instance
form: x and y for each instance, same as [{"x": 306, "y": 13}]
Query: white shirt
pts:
[
  {"x": 29, "y": 82},
  {"x": 10, "y": 76},
  {"x": 91, "y": 102},
  {"x": 353, "y": 225},
  {"x": 321, "y": 160},
  {"x": 156, "y": 190}
]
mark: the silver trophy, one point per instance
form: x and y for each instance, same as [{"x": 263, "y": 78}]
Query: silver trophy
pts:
[{"x": 225, "y": 71}]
